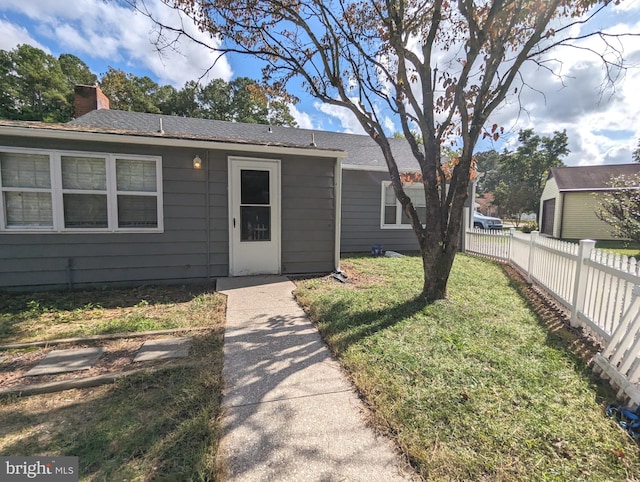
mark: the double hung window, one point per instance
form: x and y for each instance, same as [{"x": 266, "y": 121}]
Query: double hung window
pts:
[
  {"x": 392, "y": 215},
  {"x": 66, "y": 191}
]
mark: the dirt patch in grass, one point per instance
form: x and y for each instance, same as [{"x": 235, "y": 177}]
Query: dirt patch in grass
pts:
[
  {"x": 118, "y": 357},
  {"x": 357, "y": 278},
  {"x": 354, "y": 278},
  {"x": 148, "y": 426}
]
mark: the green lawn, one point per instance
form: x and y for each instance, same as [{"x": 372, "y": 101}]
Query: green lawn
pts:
[
  {"x": 51, "y": 315},
  {"x": 474, "y": 387},
  {"x": 620, "y": 247}
]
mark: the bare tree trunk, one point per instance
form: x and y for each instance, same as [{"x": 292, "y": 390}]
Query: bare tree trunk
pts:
[{"x": 437, "y": 260}]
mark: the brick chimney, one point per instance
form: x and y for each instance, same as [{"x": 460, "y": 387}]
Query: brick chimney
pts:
[{"x": 87, "y": 98}]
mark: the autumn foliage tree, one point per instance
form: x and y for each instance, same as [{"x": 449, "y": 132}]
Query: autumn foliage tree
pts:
[{"x": 440, "y": 67}]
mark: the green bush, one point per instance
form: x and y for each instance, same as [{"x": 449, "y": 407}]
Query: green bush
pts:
[{"x": 530, "y": 226}]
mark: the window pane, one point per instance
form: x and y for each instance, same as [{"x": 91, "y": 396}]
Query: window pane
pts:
[
  {"x": 390, "y": 214},
  {"x": 416, "y": 193},
  {"x": 25, "y": 170},
  {"x": 389, "y": 195},
  {"x": 88, "y": 173},
  {"x": 422, "y": 214},
  {"x": 254, "y": 187},
  {"x": 255, "y": 223},
  {"x": 28, "y": 209},
  {"x": 133, "y": 175},
  {"x": 137, "y": 212},
  {"x": 85, "y": 211}
]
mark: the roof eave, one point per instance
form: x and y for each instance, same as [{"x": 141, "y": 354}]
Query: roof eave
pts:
[
  {"x": 592, "y": 189},
  {"x": 159, "y": 140}
]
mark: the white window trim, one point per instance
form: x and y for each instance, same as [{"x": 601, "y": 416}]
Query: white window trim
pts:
[
  {"x": 55, "y": 166},
  {"x": 384, "y": 185}
]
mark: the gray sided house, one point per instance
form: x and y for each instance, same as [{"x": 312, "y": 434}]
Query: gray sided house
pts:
[
  {"x": 370, "y": 213},
  {"x": 569, "y": 200},
  {"x": 118, "y": 197},
  {"x": 88, "y": 205}
]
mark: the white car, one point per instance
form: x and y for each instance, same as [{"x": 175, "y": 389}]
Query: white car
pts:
[{"x": 480, "y": 221}]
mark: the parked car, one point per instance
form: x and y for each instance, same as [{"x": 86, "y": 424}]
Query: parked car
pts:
[{"x": 480, "y": 221}]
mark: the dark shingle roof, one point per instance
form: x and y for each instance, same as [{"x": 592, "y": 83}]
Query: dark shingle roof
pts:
[
  {"x": 580, "y": 178},
  {"x": 361, "y": 150}
]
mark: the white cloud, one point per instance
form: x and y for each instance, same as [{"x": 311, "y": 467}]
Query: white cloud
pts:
[
  {"x": 14, "y": 35},
  {"x": 619, "y": 155},
  {"x": 627, "y": 7},
  {"x": 389, "y": 125},
  {"x": 600, "y": 120},
  {"x": 348, "y": 121},
  {"x": 302, "y": 118},
  {"x": 112, "y": 32}
]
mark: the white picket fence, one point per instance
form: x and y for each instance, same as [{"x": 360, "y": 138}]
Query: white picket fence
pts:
[{"x": 601, "y": 290}]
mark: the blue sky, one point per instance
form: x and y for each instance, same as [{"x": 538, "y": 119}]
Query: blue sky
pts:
[{"x": 603, "y": 128}]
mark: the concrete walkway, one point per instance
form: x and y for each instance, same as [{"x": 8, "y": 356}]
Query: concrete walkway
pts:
[{"x": 289, "y": 413}]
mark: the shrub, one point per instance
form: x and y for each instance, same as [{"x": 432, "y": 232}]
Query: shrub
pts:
[{"x": 530, "y": 226}]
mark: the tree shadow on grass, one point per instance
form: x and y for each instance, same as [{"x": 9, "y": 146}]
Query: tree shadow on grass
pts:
[{"x": 348, "y": 327}]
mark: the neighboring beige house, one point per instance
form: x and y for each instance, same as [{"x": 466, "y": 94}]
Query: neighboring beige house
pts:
[{"x": 570, "y": 199}]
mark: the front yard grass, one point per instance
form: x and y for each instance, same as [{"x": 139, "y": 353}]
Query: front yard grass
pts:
[
  {"x": 474, "y": 387},
  {"x": 154, "y": 426},
  {"x": 53, "y": 315},
  {"x": 623, "y": 248}
]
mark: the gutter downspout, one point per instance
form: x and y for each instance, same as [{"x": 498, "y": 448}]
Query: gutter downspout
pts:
[{"x": 338, "y": 200}]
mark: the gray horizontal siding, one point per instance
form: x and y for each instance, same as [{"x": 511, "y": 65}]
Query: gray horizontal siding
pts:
[
  {"x": 179, "y": 254},
  {"x": 186, "y": 251},
  {"x": 308, "y": 216},
  {"x": 360, "y": 227},
  {"x": 56, "y": 251}
]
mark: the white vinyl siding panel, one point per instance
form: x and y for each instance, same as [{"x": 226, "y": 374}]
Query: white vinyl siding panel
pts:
[{"x": 580, "y": 220}]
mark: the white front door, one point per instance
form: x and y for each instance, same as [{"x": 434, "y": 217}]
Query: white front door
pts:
[{"x": 254, "y": 216}]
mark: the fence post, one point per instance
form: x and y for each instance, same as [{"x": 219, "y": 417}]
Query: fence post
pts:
[
  {"x": 512, "y": 231},
  {"x": 532, "y": 244},
  {"x": 465, "y": 229},
  {"x": 580, "y": 282}
]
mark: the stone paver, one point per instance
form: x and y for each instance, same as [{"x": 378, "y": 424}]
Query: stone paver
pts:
[
  {"x": 62, "y": 361},
  {"x": 162, "y": 349},
  {"x": 289, "y": 413}
]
